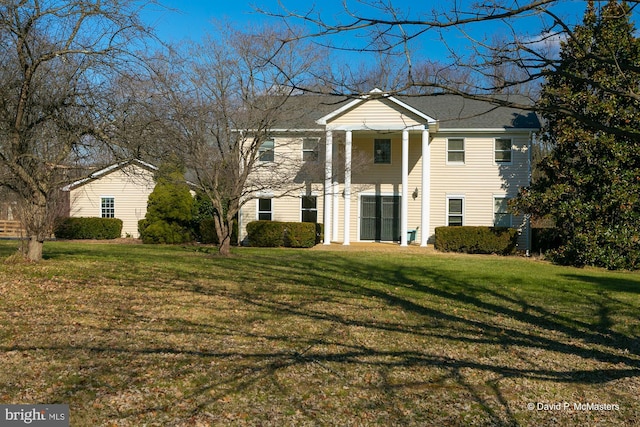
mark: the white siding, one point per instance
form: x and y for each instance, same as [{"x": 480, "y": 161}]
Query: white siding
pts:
[{"x": 130, "y": 187}]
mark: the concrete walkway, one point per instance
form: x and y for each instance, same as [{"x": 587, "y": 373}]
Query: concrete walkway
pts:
[{"x": 375, "y": 247}]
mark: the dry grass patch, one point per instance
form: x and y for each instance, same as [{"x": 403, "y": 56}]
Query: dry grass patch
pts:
[{"x": 135, "y": 335}]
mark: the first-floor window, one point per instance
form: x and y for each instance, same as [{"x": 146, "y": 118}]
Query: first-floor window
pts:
[
  {"x": 309, "y": 209},
  {"x": 265, "y": 212},
  {"x": 501, "y": 215},
  {"x": 455, "y": 211},
  {"x": 107, "y": 207}
]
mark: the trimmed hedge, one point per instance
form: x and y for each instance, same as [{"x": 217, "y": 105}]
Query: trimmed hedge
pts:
[
  {"x": 271, "y": 234},
  {"x": 477, "y": 240},
  {"x": 89, "y": 228}
]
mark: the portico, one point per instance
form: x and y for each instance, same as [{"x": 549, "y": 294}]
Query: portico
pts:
[{"x": 397, "y": 124}]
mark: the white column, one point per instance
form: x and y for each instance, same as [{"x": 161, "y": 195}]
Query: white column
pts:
[
  {"x": 405, "y": 190},
  {"x": 335, "y": 187},
  {"x": 426, "y": 187},
  {"x": 347, "y": 187},
  {"x": 328, "y": 183}
]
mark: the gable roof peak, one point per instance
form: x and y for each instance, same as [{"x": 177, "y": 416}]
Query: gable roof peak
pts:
[{"x": 375, "y": 93}]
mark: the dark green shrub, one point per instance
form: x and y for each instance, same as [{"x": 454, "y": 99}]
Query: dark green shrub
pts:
[
  {"x": 544, "y": 239},
  {"x": 207, "y": 232},
  {"x": 476, "y": 240},
  {"x": 270, "y": 234},
  {"x": 160, "y": 231},
  {"x": 265, "y": 234},
  {"x": 300, "y": 234},
  {"x": 89, "y": 228},
  {"x": 170, "y": 208},
  {"x": 616, "y": 248}
]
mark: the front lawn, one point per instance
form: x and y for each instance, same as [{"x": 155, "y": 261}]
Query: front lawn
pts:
[{"x": 133, "y": 335}]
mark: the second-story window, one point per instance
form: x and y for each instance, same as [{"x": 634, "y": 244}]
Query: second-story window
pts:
[
  {"x": 266, "y": 151},
  {"x": 382, "y": 151},
  {"x": 503, "y": 150},
  {"x": 310, "y": 149},
  {"x": 455, "y": 150}
]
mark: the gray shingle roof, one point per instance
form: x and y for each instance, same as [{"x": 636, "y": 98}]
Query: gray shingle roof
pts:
[
  {"x": 451, "y": 112},
  {"x": 456, "y": 112}
]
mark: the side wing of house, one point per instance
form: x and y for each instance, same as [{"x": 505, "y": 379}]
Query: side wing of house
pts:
[
  {"x": 283, "y": 184},
  {"x": 122, "y": 194},
  {"x": 474, "y": 174}
]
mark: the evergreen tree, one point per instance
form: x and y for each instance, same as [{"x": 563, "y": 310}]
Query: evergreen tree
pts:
[
  {"x": 591, "y": 179},
  {"x": 170, "y": 208}
]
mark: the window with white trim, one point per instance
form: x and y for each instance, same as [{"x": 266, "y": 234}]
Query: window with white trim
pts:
[
  {"x": 266, "y": 152},
  {"x": 502, "y": 150},
  {"x": 455, "y": 150},
  {"x": 107, "y": 207},
  {"x": 455, "y": 210},
  {"x": 309, "y": 209},
  {"x": 501, "y": 215},
  {"x": 265, "y": 209},
  {"x": 382, "y": 151},
  {"x": 310, "y": 149}
]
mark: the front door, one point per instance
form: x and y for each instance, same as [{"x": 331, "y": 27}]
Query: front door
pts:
[{"x": 380, "y": 218}]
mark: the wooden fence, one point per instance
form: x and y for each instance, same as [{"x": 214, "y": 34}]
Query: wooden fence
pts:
[{"x": 11, "y": 229}]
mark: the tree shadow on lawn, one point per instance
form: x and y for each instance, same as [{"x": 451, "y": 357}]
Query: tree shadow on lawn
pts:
[
  {"x": 370, "y": 281},
  {"x": 609, "y": 283},
  {"x": 460, "y": 312},
  {"x": 413, "y": 315}
]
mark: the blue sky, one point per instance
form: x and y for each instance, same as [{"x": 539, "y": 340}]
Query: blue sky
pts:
[{"x": 193, "y": 17}]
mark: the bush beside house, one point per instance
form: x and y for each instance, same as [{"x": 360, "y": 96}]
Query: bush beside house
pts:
[
  {"x": 170, "y": 209},
  {"x": 286, "y": 234},
  {"x": 88, "y": 228},
  {"x": 476, "y": 240}
]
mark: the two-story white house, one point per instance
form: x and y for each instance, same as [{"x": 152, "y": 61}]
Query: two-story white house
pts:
[{"x": 392, "y": 165}]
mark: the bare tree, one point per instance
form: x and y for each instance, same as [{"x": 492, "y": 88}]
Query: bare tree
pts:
[
  {"x": 57, "y": 61},
  {"x": 506, "y": 47},
  {"x": 224, "y": 101}
]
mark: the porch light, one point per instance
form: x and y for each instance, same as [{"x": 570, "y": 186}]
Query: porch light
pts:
[{"x": 415, "y": 193}]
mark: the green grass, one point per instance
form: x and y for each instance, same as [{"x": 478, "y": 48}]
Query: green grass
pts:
[{"x": 135, "y": 335}]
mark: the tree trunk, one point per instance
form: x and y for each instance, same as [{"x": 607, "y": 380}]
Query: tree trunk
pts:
[
  {"x": 34, "y": 216},
  {"x": 223, "y": 230},
  {"x": 224, "y": 248},
  {"x": 34, "y": 249}
]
